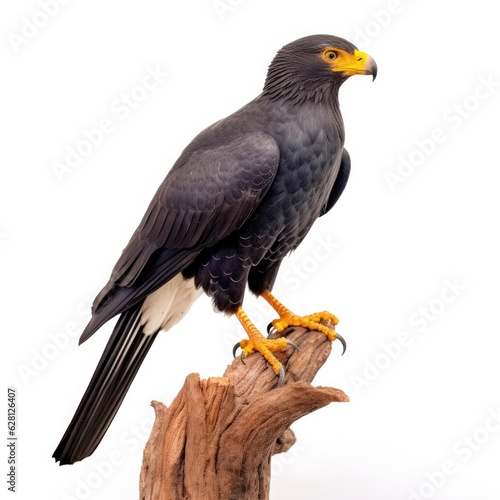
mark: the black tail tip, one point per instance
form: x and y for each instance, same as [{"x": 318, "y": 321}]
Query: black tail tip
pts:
[
  {"x": 59, "y": 460},
  {"x": 65, "y": 458}
]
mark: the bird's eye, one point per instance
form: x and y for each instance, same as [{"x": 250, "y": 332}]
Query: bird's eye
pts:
[{"x": 331, "y": 55}]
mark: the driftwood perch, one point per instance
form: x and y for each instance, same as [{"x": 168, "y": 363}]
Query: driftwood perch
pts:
[{"x": 216, "y": 439}]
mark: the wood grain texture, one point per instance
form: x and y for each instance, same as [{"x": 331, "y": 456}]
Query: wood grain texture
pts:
[{"x": 216, "y": 439}]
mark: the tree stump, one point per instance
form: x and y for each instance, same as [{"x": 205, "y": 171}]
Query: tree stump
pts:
[{"x": 216, "y": 439}]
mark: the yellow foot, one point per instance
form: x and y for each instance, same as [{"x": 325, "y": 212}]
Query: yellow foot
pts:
[
  {"x": 311, "y": 321},
  {"x": 257, "y": 342}
]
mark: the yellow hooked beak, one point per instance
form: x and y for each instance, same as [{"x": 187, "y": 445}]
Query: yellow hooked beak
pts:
[{"x": 357, "y": 63}]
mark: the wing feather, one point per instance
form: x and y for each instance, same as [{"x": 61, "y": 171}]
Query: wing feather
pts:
[
  {"x": 208, "y": 194},
  {"x": 340, "y": 182}
]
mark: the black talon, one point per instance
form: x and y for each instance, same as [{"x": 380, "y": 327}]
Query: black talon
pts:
[
  {"x": 235, "y": 348},
  {"x": 342, "y": 341},
  {"x": 293, "y": 344},
  {"x": 269, "y": 328},
  {"x": 242, "y": 357},
  {"x": 281, "y": 376}
]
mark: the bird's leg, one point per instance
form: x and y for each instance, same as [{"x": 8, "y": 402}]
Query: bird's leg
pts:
[
  {"x": 311, "y": 321},
  {"x": 257, "y": 342}
]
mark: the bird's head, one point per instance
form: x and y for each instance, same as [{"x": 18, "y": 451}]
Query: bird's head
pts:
[{"x": 314, "y": 66}]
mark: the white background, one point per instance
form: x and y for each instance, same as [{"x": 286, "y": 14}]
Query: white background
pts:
[{"x": 417, "y": 263}]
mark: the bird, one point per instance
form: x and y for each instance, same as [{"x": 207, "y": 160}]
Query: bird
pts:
[{"x": 242, "y": 195}]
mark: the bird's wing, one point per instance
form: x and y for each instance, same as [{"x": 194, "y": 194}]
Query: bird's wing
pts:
[
  {"x": 207, "y": 195},
  {"x": 340, "y": 182}
]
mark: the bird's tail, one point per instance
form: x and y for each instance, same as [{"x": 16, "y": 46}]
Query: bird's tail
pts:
[{"x": 116, "y": 370}]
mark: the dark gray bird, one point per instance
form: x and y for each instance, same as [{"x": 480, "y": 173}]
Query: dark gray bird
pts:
[{"x": 242, "y": 195}]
